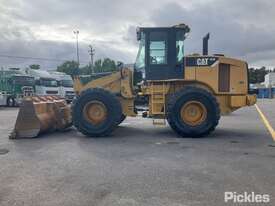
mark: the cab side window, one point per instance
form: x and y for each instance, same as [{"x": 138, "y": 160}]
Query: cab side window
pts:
[
  {"x": 180, "y": 46},
  {"x": 158, "y": 48}
]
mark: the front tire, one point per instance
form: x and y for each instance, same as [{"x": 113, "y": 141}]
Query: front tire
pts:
[
  {"x": 122, "y": 118},
  {"x": 193, "y": 112},
  {"x": 96, "y": 112},
  {"x": 11, "y": 102}
]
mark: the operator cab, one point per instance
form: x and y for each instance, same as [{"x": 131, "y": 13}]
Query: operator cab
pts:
[{"x": 161, "y": 52}]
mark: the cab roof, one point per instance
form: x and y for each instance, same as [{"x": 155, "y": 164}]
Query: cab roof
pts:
[{"x": 181, "y": 26}]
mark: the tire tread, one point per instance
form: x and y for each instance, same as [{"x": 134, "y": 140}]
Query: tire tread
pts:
[
  {"x": 176, "y": 96},
  {"x": 115, "y": 104}
]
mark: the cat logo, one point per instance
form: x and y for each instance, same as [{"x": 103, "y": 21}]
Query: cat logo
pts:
[{"x": 202, "y": 61}]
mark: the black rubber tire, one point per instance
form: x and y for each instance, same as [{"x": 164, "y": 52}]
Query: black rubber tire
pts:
[
  {"x": 113, "y": 118},
  {"x": 190, "y": 93},
  {"x": 122, "y": 118},
  {"x": 10, "y": 102}
]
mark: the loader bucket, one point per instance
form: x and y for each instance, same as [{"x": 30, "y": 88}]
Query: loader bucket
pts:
[{"x": 41, "y": 114}]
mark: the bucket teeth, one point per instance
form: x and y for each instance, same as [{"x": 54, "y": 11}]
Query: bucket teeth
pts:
[{"x": 41, "y": 114}]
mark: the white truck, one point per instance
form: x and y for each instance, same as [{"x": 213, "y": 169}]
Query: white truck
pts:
[
  {"x": 65, "y": 84},
  {"x": 45, "y": 83}
]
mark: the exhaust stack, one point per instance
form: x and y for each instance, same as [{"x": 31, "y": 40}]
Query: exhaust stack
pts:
[{"x": 205, "y": 44}]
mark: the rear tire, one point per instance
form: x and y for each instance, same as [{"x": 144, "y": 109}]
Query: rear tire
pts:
[
  {"x": 193, "y": 112},
  {"x": 96, "y": 112},
  {"x": 10, "y": 102}
]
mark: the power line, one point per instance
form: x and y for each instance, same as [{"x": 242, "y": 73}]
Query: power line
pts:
[{"x": 27, "y": 57}]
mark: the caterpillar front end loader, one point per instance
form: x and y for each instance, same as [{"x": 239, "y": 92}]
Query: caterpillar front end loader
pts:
[{"x": 190, "y": 92}]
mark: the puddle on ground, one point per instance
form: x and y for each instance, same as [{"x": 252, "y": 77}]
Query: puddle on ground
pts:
[
  {"x": 169, "y": 142},
  {"x": 3, "y": 151}
]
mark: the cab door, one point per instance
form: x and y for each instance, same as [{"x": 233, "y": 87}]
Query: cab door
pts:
[{"x": 160, "y": 59}]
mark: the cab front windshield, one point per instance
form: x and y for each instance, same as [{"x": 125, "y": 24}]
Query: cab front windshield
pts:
[
  {"x": 23, "y": 80},
  {"x": 140, "y": 60},
  {"x": 66, "y": 83},
  {"x": 48, "y": 83}
]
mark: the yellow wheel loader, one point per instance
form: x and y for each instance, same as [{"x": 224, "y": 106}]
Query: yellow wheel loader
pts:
[{"x": 190, "y": 92}]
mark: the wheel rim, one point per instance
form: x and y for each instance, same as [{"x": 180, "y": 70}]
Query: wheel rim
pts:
[
  {"x": 193, "y": 113},
  {"x": 95, "y": 112},
  {"x": 10, "y": 102}
]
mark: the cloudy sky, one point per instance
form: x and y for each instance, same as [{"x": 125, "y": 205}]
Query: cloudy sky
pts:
[{"x": 44, "y": 28}]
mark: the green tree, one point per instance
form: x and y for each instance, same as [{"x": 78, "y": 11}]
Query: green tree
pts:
[
  {"x": 34, "y": 66},
  {"x": 252, "y": 76},
  {"x": 257, "y": 75},
  {"x": 109, "y": 65},
  {"x": 105, "y": 65},
  {"x": 86, "y": 70},
  {"x": 261, "y": 74},
  {"x": 68, "y": 67},
  {"x": 98, "y": 66}
]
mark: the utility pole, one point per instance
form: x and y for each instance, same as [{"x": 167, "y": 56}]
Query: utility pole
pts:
[
  {"x": 77, "y": 49},
  {"x": 92, "y": 53}
]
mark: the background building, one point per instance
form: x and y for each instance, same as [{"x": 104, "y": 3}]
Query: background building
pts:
[{"x": 270, "y": 80}]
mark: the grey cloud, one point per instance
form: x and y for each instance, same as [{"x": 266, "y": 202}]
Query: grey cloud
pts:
[
  {"x": 93, "y": 15},
  {"x": 53, "y": 50},
  {"x": 15, "y": 32},
  {"x": 242, "y": 29},
  {"x": 130, "y": 36},
  {"x": 21, "y": 20},
  {"x": 44, "y": 49},
  {"x": 238, "y": 28}
]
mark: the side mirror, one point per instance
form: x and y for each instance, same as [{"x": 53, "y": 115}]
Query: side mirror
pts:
[{"x": 120, "y": 65}]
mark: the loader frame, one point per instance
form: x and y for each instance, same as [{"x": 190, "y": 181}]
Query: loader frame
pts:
[{"x": 119, "y": 83}]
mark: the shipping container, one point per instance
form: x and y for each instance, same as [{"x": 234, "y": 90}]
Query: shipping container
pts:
[{"x": 266, "y": 93}]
